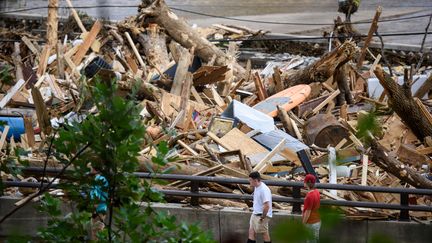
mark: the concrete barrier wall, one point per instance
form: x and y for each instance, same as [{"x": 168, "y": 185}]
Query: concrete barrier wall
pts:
[{"x": 231, "y": 225}]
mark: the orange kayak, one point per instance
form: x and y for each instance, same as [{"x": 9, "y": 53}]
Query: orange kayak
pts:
[{"x": 288, "y": 99}]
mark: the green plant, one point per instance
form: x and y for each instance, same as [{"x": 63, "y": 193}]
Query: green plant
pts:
[
  {"x": 5, "y": 77},
  {"x": 101, "y": 185}
]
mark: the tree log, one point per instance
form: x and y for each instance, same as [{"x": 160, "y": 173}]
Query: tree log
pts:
[
  {"x": 340, "y": 77},
  {"x": 397, "y": 168},
  {"x": 402, "y": 102},
  {"x": 322, "y": 69},
  {"x": 52, "y": 22},
  {"x": 155, "y": 49},
  {"x": 182, "y": 33}
]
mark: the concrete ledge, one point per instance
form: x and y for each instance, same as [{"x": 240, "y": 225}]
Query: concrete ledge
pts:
[{"x": 231, "y": 224}]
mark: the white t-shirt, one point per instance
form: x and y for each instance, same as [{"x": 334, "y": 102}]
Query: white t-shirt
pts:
[{"x": 261, "y": 195}]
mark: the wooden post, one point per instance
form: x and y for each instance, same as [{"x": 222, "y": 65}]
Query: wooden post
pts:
[
  {"x": 262, "y": 95},
  {"x": 286, "y": 121},
  {"x": 52, "y": 23},
  {"x": 76, "y": 17},
  {"x": 373, "y": 28},
  {"x": 277, "y": 79},
  {"x": 181, "y": 72},
  {"x": 365, "y": 160},
  {"x": 60, "y": 61},
  {"x": 29, "y": 131}
]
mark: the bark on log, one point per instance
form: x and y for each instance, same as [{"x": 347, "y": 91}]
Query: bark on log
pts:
[
  {"x": 340, "y": 77},
  {"x": 155, "y": 49},
  {"x": 182, "y": 33},
  {"x": 402, "y": 102},
  {"x": 397, "y": 168},
  {"x": 322, "y": 69}
]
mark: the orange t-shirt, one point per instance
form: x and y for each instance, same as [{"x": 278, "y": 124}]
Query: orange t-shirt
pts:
[{"x": 312, "y": 202}]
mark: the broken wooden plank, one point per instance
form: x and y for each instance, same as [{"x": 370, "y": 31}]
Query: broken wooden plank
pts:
[
  {"x": 11, "y": 92},
  {"x": 189, "y": 149},
  {"x": 372, "y": 29},
  {"x": 30, "y": 45},
  {"x": 76, "y": 16},
  {"x": 325, "y": 102},
  {"x": 424, "y": 88},
  {"x": 4, "y": 136},
  {"x": 88, "y": 41},
  {"x": 52, "y": 23},
  {"x": 259, "y": 86},
  {"x": 28, "y": 125},
  {"x": 60, "y": 61},
  {"x": 277, "y": 79},
  {"x": 197, "y": 96},
  {"x": 265, "y": 162},
  {"x": 235, "y": 139},
  {"x": 219, "y": 141},
  {"x": 41, "y": 111},
  {"x": 216, "y": 97},
  {"x": 365, "y": 161},
  {"x": 43, "y": 61},
  {"x": 286, "y": 121},
  {"x": 181, "y": 71}
]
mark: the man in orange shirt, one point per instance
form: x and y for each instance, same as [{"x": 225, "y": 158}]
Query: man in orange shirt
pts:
[{"x": 311, "y": 206}]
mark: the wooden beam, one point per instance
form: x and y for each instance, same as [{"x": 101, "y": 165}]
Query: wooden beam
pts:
[
  {"x": 181, "y": 71},
  {"x": 28, "y": 125},
  {"x": 325, "y": 102},
  {"x": 76, "y": 16},
  {"x": 260, "y": 89},
  {"x": 189, "y": 149},
  {"x": 60, "y": 61},
  {"x": 217, "y": 140},
  {"x": 88, "y": 41},
  {"x": 135, "y": 50},
  {"x": 372, "y": 30},
  {"x": 11, "y": 92},
  {"x": 4, "y": 136},
  {"x": 365, "y": 161},
  {"x": 265, "y": 162},
  {"x": 424, "y": 88},
  {"x": 30, "y": 45},
  {"x": 43, "y": 61},
  {"x": 286, "y": 120},
  {"x": 52, "y": 23},
  {"x": 277, "y": 79}
]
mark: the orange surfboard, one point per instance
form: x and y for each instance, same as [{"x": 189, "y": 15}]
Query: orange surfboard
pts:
[{"x": 288, "y": 99}]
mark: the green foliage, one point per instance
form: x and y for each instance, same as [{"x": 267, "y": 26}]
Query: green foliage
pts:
[
  {"x": 114, "y": 136},
  {"x": 5, "y": 77},
  {"x": 368, "y": 125},
  {"x": 292, "y": 231}
]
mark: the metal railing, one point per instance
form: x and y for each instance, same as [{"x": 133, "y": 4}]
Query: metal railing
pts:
[{"x": 296, "y": 200}]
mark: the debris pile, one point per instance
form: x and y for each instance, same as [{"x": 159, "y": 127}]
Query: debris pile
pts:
[{"x": 344, "y": 120}]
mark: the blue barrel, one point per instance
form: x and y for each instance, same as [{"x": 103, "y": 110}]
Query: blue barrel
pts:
[{"x": 16, "y": 126}]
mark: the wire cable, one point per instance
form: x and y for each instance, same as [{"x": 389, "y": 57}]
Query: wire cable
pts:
[
  {"x": 287, "y": 38},
  {"x": 215, "y": 16}
]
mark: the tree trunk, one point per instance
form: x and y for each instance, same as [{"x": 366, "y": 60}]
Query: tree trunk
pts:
[
  {"x": 402, "y": 102},
  {"x": 322, "y": 69},
  {"x": 340, "y": 77},
  {"x": 397, "y": 168},
  {"x": 155, "y": 49},
  {"x": 52, "y": 23},
  {"x": 182, "y": 33}
]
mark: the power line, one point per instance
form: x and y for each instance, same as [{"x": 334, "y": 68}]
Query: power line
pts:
[
  {"x": 213, "y": 15},
  {"x": 289, "y": 38}
]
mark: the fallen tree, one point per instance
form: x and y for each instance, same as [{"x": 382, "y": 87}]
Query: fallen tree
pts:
[
  {"x": 182, "y": 32},
  {"x": 402, "y": 102},
  {"x": 397, "y": 168},
  {"x": 321, "y": 70}
]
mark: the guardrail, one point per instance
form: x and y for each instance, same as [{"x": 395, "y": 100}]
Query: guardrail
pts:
[{"x": 296, "y": 198}]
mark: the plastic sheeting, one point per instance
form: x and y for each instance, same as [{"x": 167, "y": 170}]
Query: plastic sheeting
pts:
[
  {"x": 249, "y": 116},
  {"x": 272, "y": 138}
]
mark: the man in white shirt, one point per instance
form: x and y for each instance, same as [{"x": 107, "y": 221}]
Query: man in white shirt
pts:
[{"x": 262, "y": 209}]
